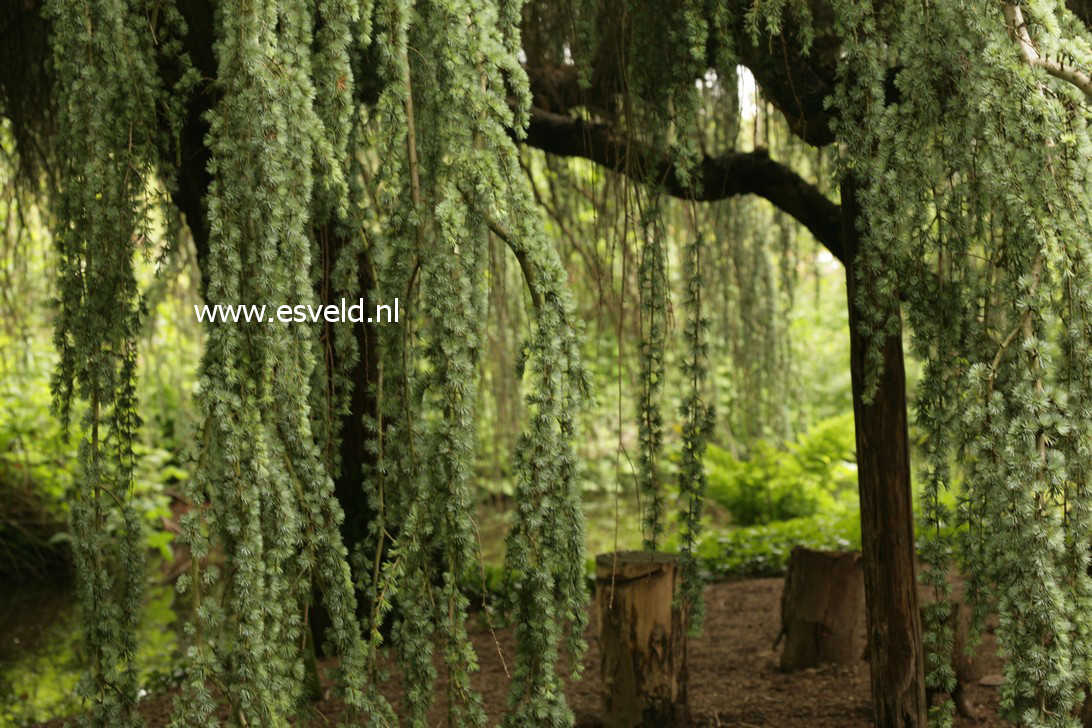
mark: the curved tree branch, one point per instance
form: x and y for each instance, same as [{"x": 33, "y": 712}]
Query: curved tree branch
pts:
[
  {"x": 1019, "y": 30},
  {"x": 522, "y": 257},
  {"x": 714, "y": 178}
]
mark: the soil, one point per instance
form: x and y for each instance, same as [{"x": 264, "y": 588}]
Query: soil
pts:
[{"x": 734, "y": 680}]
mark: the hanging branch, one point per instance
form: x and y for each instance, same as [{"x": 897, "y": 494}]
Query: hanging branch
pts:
[
  {"x": 262, "y": 489},
  {"x": 652, "y": 298},
  {"x": 109, "y": 100},
  {"x": 1070, "y": 74},
  {"x": 698, "y": 421},
  {"x": 545, "y": 544}
]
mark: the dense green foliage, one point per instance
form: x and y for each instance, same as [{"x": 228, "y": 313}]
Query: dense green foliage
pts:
[
  {"x": 764, "y": 550},
  {"x": 376, "y": 140},
  {"x": 110, "y": 99},
  {"x": 811, "y": 476},
  {"x": 271, "y": 508},
  {"x": 977, "y": 196},
  {"x": 450, "y": 186}
]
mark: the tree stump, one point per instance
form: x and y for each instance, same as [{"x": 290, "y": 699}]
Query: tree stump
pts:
[
  {"x": 642, "y": 640},
  {"x": 968, "y": 668},
  {"x": 822, "y": 608}
]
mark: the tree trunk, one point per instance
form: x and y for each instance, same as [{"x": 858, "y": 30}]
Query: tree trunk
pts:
[
  {"x": 895, "y": 649},
  {"x": 189, "y": 188},
  {"x": 822, "y": 609},
  {"x": 354, "y": 455},
  {"x": 642, "y": 640}
]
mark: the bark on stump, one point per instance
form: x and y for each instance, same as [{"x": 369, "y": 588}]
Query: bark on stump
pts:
[
  {"x": 822, "y": 609},
  {"x": 642, "y": 640},
  {"x": 968, "y": 668}
]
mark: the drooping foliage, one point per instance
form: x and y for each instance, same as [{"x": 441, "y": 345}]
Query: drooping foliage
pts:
[
  {"x": 976, "y": 196},
  {"x": 753, "y": 322},
  {"x": 112, "y": 105},
  {"x": 698, "y": 418},
  {"x": 653, "y": 293},
  {"x": 963, "y": 127},
  {"x": 667, "y": 99},
  {"x": 446, "y": 189},
  {"x": 260, "y": 493}
]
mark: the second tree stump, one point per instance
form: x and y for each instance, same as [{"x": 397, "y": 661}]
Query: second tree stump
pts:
[
  {"x": 642, "y": 640},
  {"x": 822, "y": 608}
]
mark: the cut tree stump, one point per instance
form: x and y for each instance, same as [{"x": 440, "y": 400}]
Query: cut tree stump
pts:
[
  {"x": 968, "y": 668},
  {"x": 642, "y": 640},
  {"x": 822, "y": 609}
]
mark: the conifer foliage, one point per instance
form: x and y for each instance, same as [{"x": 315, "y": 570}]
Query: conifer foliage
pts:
[
  {"x": 965, "y": 126},
  {"x": 698, "y": 418},
  {"x": 110, "y": 100},
  {"x": 261, "y": 493},
  {"x": 653, "y": 299},
  {"x": 289, "y": 151},
  {"x": 452, "y": 184},
  {"x": 976, "y": 193}
]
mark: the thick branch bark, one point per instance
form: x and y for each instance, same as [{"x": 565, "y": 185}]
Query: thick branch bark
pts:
[
  {"x": 1019, "y": 30},
  {"x": 896, "y": 655},
  {"x": 716, "y": 178}
]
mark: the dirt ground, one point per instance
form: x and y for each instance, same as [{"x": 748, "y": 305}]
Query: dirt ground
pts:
[{"x": 734, "y": 677}]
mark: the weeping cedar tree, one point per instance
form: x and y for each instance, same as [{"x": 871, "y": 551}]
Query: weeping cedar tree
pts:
[{"x": 370, "y": 148}]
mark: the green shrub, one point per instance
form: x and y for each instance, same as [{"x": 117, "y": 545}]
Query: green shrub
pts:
[
  {"x": 35, "y": 469},
  {"x": 764, "y": 550},
  {"x": 810, "y": 476},
  {"x": 38, "y": 466}
]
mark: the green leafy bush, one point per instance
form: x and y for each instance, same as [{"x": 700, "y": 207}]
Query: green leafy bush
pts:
[
  {"x": 810, "y": 476},
  {"x": 35, "y": 466},
  {"x": 38, "y": 466},
  {"x": 764, "y": 550}
]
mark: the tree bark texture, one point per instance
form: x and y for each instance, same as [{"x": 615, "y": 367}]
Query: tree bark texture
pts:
[
  {"x": 896, "y": 654},
  {"x": 642, "y": 639},
  {"x": 822, "y": 609}
]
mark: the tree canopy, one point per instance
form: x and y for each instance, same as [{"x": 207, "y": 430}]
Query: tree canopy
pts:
[{"x": 318, "y": 149}]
